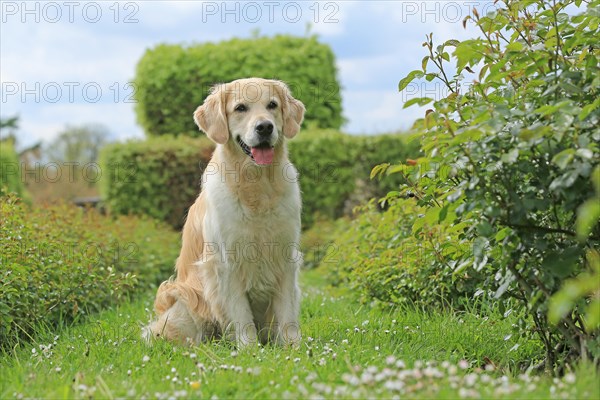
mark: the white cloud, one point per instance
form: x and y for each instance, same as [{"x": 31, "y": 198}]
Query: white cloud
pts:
[
  {"x": 331, "y": 18},
  {"x": 375, "y": 111},
  {"x": 49, "y": 120},
  {"x": 50, "y": 54},
  {"x": 364, "y": 70}
]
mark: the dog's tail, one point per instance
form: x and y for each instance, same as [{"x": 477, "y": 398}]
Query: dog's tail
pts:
[{"x": 183, "y": 314}]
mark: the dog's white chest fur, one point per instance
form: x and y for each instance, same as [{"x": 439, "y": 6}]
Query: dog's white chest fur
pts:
[{"x": 258, "y": 238}]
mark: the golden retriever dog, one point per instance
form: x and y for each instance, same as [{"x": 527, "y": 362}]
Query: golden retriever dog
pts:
[{"x": 236, "y": 275}]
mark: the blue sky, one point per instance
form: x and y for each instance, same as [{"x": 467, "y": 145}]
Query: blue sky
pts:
[{"x": 69, "y": 62}]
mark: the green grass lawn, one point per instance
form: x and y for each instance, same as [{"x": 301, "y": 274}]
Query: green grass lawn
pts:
[{"x": 348, "y": 351}]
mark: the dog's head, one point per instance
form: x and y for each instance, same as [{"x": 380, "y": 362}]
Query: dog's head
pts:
[{"x": 254, "y": 113}]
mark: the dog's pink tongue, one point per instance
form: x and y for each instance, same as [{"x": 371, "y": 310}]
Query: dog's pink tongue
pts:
[{"x": 263, "y": 156}]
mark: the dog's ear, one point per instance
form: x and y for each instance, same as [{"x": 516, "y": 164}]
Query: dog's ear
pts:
[
  {"x": 293, "y": 113},
  {"x": 212, "y": 118}
]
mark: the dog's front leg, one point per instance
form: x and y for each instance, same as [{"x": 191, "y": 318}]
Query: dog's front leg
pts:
[
  {"x": 238, "y": 312},
  {"x": 286, "y": 307}
]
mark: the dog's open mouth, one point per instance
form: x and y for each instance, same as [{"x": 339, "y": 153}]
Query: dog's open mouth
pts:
[{"x": 261, "y": 154}]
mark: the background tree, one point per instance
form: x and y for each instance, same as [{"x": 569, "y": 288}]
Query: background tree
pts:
[
  {"x": 8, "y": 126},
  {"x": 9, "y": 122},
  {"x": 78, "y": 144}
]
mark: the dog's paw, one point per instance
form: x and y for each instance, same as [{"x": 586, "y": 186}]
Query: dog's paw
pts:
[
  {"x": 246, "y": 335},
  {"x": 243, "y": 335},
  {"x": 290, "y": 335},
  {"x": 148, "y": 334}
]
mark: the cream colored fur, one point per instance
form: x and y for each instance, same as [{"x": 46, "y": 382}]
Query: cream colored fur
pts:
[{"x": 237, "y": 271}]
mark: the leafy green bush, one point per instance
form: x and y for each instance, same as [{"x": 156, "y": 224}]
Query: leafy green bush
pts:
[
  {"x": 159, "y": 177},
  {"x": 393, "y": 148},
  {"x": 60, "y": 263},
  {"x": 384, "y": 259},
  {"x": 513, "y": 159},
  {"x": 10, "y": 175},
  {"x": 172, "y": 80}
]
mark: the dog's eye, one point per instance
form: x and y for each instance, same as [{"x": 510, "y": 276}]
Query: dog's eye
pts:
[
  {"x": 272, "y": 105},
  {"x": 240, "y": 108}
]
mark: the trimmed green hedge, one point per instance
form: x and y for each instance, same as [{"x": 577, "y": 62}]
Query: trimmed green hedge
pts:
[
  {"x": 335, "y": 168},
  {"x": 60, "y": 263},
  {"x": 327, "y": 163},
  {"x": 161, "y": 176},
  {"x": 172, "y": 80}
]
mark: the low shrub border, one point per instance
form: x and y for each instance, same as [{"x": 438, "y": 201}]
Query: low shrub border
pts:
[{"x": 60, "y": 263}]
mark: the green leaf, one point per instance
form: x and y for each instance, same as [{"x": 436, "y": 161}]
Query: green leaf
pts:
[
  {"x": 584, "y": 284},
  {"x": 417, "y": 100},
  {"x": 562, "y": 302},
  {"x": 587, "y": 109},
  {"x": 502, "y": 234},
  {"x": 468, "y": 52},
  {"x": 506, "y": 282},
  {"x": 536, "y": 133},
  {"x": 596, "y": 179},
  {"x": 483, "y": 71},
  {"x": 564, "y": 181},
  {"x": 592, "y": 315},
  {"x": 510, "y": 157},
  {"x": 563, "y": 158},
  {"x": 484, "y": 228},
  {"x": 588, "y": 216},
  {"x": 379, "y": 169},
  {"x": 547, "y": 109},
  {"x": 416, "y": 74},
  {"x": 455, "y": 195},
  {"x": 443, "y": 213},
  {"x": 418, "y": 225},
  {"x": 480, "y": 248},
  {"x": 398, "y": 168},
  {"x": 461, "y": 267},
  {"x": 586, "y": 154},
  {"x": 432, "y": 216},
  {"x": 516, "y": 47},
  {"x": 424, "y": 63},
  {"x": 561, "y": 262}
]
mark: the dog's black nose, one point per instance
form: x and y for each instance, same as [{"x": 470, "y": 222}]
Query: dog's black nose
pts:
[{"x": 264, "y": 128}]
